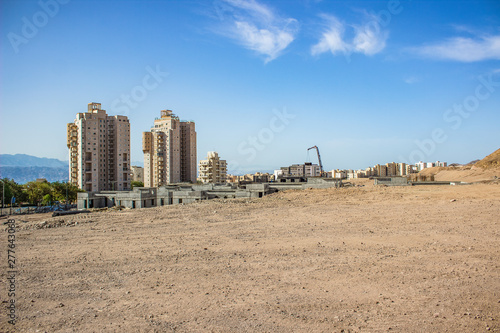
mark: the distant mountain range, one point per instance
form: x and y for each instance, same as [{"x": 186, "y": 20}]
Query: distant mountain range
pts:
[
  {"x": 25, "y": 168},
  {"x": 23, "y": 160}
]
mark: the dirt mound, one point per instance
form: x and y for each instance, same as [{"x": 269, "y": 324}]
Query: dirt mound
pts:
[
  {"x": 491, "y": 161},
  {"x": 435, "y": 170}
]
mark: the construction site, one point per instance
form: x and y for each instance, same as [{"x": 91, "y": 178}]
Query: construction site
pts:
[
  {"x": 364, "y": 258},
  {"x": 185, "y": 193}
]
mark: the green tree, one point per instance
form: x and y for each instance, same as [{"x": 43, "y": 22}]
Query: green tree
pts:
[
  {"x": 59, "y": 191},
  {"x": 47, "y": 200},
  {"x": 72, "y": 192},
  {"x": 12, "y": 189},
  {"x": 36, "y": 191},
  {"x": 136, "y": 183},
  {"x": 6, "y": 192}
]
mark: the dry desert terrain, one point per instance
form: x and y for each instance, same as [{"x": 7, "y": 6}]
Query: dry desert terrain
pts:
[{"x": 358, "y": 259}]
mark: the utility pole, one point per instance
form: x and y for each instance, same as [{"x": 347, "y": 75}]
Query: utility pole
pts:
[{"x": 3, "y": 194}]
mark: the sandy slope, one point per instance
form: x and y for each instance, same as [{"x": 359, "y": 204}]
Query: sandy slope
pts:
[
  {"x": 370, "y": 259},
  {"x": 465, "y": 174},
  {"x": 491, "y": 161}
]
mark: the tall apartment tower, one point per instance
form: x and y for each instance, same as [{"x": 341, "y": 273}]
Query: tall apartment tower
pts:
[
  {"x": 213, "y": 169},
  {"x": 99, "y": 150},
  {"x": 169, "y": 151}
]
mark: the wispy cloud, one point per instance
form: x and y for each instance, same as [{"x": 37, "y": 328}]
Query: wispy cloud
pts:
[
  {"x": 257, "y": 27},
  {"x": 369, "y": 38},
  {"x": 463, "y": 49},
  {"x": 331, "y": 39},
  {"x": 411, "y": 79}
]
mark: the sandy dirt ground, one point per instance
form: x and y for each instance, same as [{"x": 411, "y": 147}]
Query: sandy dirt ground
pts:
[{"x": 359, "y": 259}]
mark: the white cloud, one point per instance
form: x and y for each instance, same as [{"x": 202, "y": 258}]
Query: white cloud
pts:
[
  {"x": 269, "y": 42},
  {"x": 332, "y": 39},
  {"x": 463, "y": 49},
  {"x": 368, "y": 39},
  {"x": 258, "y": 28}
]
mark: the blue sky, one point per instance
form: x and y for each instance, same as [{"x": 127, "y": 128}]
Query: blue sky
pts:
[{"x": 366, "y": 81}]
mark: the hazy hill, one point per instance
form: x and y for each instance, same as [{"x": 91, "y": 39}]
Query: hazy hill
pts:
[
  {"x": 23, "y": 160},
  {"x": 22, "y": 175},
  {"x": 24, "y": 168},
  {"x": 490, "y": 162}
]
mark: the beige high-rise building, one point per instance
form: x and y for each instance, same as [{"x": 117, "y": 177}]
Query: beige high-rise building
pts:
[
  {"x": 380, "y": 170},
  {"x": 169, "y": 151},
  {"x": 213, "y": 169},
  {"x": 401, "y": 169},
  {"x": 99, "y": 150},
  {"x": 392, "y": 169}
]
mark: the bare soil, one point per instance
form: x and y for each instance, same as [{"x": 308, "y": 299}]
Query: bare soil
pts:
[{"x": 359, "y": 259}]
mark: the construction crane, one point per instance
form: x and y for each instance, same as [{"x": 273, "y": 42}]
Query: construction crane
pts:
[{"x": 319, "y": 158}]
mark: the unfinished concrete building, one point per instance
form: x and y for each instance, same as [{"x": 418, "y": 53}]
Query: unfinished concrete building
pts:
[
  {"x": 213, "y": 169},
  {"x": 143, "y": 197},
  {"x": 99, "y": 150},
  {"x": 169, "y": 151},
  {"x": 301, "y": 170}
]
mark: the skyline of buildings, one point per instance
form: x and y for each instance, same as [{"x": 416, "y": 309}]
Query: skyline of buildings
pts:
[
  {"x": 99, "y": 153},
  {"x": 388, "y": 170},
  {"x": 99, "y": 150}
]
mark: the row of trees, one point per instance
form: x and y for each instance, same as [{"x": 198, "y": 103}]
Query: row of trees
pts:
[{"x": 36, "y": 192}]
